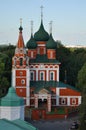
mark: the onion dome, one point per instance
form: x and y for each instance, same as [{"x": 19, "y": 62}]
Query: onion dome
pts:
[
  {"x": 31, "y": 44},
  {"x": 41, "y": 34},
  {"x": 11, "y": 99},
  {"x": 51, "y": 44}
]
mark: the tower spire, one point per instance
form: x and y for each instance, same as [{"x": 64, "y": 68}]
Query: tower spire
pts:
[
  {"x": 31, "y": 27},
  {"x": 50, "y": 26},
  {"x": 42, "y": 13}
]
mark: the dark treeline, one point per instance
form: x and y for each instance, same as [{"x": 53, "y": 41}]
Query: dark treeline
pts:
[
  {"x": 6, "y": 54},
  {"x": 72, "y": 60}
]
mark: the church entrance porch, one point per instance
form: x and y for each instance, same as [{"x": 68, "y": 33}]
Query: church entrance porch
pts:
[{"x": 43, "y": 100}]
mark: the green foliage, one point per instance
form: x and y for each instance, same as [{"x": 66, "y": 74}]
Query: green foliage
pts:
[
  {"x": 82, "y": 85},
  {"x": 82, "y": 78},
  {"x": 6, "y": 54},
  {"x": 71, "y": 61}
]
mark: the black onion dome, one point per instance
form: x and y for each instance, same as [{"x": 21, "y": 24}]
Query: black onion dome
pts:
[
  {"x": 51, "y": 44},
  {"x": 41, "y": 34},
  {"x": 31, "y": 44}
]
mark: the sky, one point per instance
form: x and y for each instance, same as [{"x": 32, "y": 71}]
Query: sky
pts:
[{"x": 68, "y": 16}]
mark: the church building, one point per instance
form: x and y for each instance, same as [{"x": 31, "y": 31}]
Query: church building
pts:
[{"x": 35, "y": 72}]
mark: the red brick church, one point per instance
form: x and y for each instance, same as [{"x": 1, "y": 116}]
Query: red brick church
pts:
[{"x": 35, "y": 73}]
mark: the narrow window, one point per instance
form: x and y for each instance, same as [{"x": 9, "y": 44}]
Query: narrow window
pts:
[
  {"x": 42, "y": 76},
  {"x": 21, "y": 61},
  {"x": 51, "y": 76},
  {"x": 32, "y": 76},
  {"x": 63, "y": 101},
  {"x": 51, "y": 54},
  {"x": 74, "y": 101}
]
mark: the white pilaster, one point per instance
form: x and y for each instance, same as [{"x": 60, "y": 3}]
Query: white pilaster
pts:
[
  {"x": 37, "y": 75},
  {"x": 57, "y": 91},
  {"x": 13, "y": 77},
  {"x": 36, "y": 100},
  {"x": 58, "y": 73},
  {"x": 49, "y": 103},
  {"x": 68, "y": 101},
  {"x": 79, "y": 100},
  {"x": 28, "y": 87},
  {"x": 47, "y": 75}
]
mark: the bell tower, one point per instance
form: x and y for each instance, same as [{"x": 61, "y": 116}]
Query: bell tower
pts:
[{"x": 20, "y": 69}]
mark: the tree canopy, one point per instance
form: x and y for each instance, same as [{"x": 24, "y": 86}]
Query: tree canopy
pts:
[{"x": 82, "y": 85}]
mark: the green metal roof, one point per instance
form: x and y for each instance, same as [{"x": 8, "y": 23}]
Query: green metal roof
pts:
[
  {"x": 47, "y": 84},
  {"x": 11, "y": 99},
  {"x": 41, "y": 34},
  {"x": 15, "y": 125},
  {"x": 24, "y": 124},
  {"x": 31, "y": 44},
  {"x": 51, "y": 44},
  {"x": 43, "y": 59}
]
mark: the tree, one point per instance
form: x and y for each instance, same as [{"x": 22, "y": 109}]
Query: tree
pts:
[
  {"x": 82, "y": 78},
  {"x": 82, "y": 85}
]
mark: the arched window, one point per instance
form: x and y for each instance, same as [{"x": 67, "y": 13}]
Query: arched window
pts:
[
  {"x": 51, "y": 76},
  {"x": 21, "y": 61},
  {"x": 73, "y": 101},
  {"x": 42, "y": 76},
  {"x": 63, "y": 101},
  {"x": 32, "y": 76}
]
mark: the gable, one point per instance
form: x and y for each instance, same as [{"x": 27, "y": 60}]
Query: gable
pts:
[{"x": 43, "y": 91}]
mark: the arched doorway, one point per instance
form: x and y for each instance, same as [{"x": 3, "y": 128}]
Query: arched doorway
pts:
[{"x": 42, "y": 103}]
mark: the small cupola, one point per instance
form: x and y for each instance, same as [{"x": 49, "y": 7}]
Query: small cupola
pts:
[
  {"x": 31, "y": 44},
  {"x": 51, "y": 44}
]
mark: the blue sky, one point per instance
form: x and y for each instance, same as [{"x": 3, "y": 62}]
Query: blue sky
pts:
[{"x": 68, "y": 16}]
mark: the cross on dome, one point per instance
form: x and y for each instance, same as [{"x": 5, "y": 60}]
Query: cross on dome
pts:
[
  {"x": 42, "y": 12},
  {"x": 50, "y": 26},
  {"x": 20, "y": 21},
  {"x": 31, "y": 27}
]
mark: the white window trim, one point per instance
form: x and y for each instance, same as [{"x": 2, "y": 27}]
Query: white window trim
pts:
[
  {"x": 73, "y": 101},
  {"x": 63, "y": 99},
  {"x": 23, "y": 81}
]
